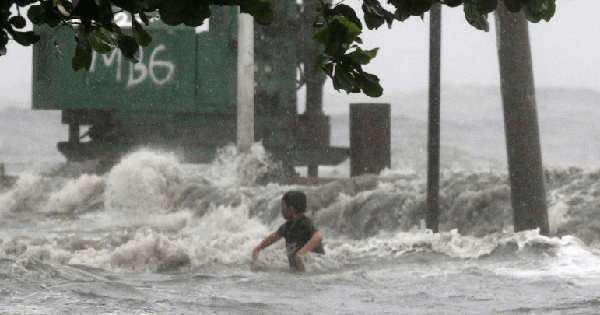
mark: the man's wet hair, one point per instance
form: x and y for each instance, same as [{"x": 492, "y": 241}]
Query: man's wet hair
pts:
[{"x": 295, "y": 199}]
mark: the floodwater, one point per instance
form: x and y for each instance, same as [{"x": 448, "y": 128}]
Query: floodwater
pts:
[{"x": 154, "y": 236}]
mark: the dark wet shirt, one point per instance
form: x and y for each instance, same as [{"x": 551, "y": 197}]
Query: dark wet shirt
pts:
[{"x": 297, "y": 234}]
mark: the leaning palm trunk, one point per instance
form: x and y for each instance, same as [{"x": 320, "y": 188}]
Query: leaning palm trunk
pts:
[{"x": 520, "y": 122}]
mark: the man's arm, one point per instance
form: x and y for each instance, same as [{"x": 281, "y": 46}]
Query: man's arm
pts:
[
  {"x": 314, "y": 241},
  {"x": 265, "y": 243}
]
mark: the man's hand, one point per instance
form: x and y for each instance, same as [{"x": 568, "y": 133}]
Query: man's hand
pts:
[
  {"x": 255, "y": 264},
  {"x": 297, "y": 262},
  {"x": 265, "y": 243}
]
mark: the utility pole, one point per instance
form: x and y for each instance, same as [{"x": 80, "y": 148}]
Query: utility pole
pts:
[
  {"x": 528, "y": 195},
  {"x": 433, "y": 137},
  {"x": 245, "y": 82}
]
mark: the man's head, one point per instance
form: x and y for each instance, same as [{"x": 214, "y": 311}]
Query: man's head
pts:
[{"x": 296, "y": 200}]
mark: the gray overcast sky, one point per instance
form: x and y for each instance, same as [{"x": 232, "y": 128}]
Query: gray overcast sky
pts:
[{"x": 566, "y": 53}]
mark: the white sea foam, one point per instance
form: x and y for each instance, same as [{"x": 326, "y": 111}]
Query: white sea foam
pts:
[
  {"x": 143, "y": 183},
  {"x": 143, "y": 195},
  {"x": 557, "y": 215},
  {"x": 450, "y": 243},
  {"x": 25, "y": 193},
  {"x": 232, "y": 168},
  {"x": 77, "y": 193}
]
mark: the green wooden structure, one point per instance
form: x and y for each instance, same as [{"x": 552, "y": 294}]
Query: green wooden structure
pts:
[{"x": 181, "y": 96}]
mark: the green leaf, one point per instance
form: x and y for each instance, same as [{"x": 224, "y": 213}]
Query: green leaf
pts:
[
  {"x": 322, "y": 63},
  {"x": 171, "y": 12},
  {"x": 128, "y": 47},
  {"x": 86, "y": 10},
  {"x": 17, "y": 21},
  {"x": 103, "y": 35},
  {"x": 116, "y": 29},
  {"x": 24, "y": 3},
  {"x": 328, "y": 69},
  {"x": 370, "y": 84},
  {"x": 513, "y": 5},
  {"x": 374, "y": 90},
  {"x": 453, "y": 3},
  {"x": 99, "y": 46},
  {"x": 150, "y": 5},
  {"x": 196, "y": 14},
  {"x": 486, "y": 6},
  {"x": 353, "y": 30},
  {"x": 144, "y": 18},
  {"x": 322, "y": 36},
  {"x": 140, "y": 34},
  {"x": 475, "y": 18},
  {"x": 371, "y": 53},
  {"x": 338, "y": 36},
  {"x": 260, "y": 9},
  {"x": 36, "y": 14},
  {"x": 345, "y": 11},
  {"x": 104, "y": 12},
  {"x": 375, "y": 14},
  {"x": 408, "y": 8},
  {"x": 24, "y": 38},
  {"x": 536, "y": 11},
  {"x": 82, "y": 58},
  {"x": 362, "y": 57},
  {"x": 43, "y": 13},
  {"x": 372, "y": 19},
  {"x": 3, "y": 38},
  {"x": 342, "y": 80}
]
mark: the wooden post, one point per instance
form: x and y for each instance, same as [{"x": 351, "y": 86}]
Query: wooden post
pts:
[
  {"x": 433, "y": 137},
  {"x": 314, "y": 103},
  {"x": 245, "y": 82},
  {"x": 73, "y": 132},
  {"x": 528, "y": 195},
  {"x": 370, "y": 138}
]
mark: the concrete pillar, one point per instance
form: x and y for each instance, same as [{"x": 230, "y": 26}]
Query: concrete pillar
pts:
[{"x": 245, "y": 82}]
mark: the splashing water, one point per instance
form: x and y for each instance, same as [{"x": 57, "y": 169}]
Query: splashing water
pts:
[
  {"x": 66, "y": 246},
  {"x": 25, "y": 195},
  {"x": 232, "y": 168},
  {"x": 155, "y": 230},
  {"x": 85, "y": 191},
  {"x": 144, "y": 183}
]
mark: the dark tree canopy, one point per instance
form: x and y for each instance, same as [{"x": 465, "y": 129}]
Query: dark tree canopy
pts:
[{"x": 337, "y": 27}]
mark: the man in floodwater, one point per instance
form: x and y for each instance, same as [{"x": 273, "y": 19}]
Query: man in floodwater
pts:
[{"x": 299, "y": 232}]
